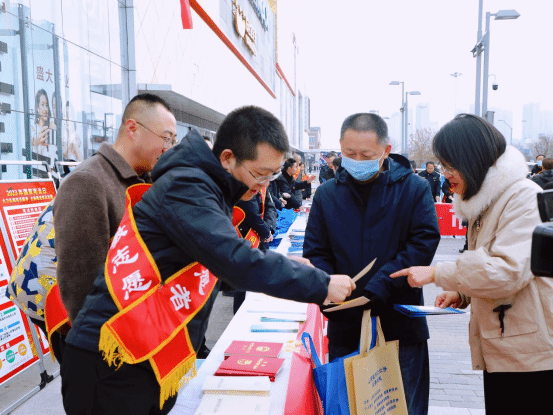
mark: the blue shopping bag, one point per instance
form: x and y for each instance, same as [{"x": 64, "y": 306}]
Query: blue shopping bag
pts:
[{"x": 330, "y": 380}]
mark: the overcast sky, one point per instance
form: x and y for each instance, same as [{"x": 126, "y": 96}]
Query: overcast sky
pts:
[{"x": 352, "y": 49}]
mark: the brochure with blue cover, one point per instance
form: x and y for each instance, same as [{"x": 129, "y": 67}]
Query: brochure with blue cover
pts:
[{"x": 421, "y": 311}]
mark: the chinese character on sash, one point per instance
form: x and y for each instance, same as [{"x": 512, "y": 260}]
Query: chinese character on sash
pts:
[
  {"x": 122, "y": 257},
  {"x": 40, "y": 73},
  {"x": 181, "y": 297},
  {"x": 204, "y": 279},
  {"x": 134, "y": 282},
  {"x": 121, "y": 231}
]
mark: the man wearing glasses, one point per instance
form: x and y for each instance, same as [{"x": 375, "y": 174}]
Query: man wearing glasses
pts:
[
  {"x": 133, "y": 343},
  {"x": 91, "y": 200}
]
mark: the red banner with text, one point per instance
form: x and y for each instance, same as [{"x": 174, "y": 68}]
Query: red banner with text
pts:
[{"x": 450, "y": 224}]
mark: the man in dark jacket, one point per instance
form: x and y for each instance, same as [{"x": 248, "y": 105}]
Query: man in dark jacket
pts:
[
  {"x": 183, "y": 221},
  {"x": 260, "y": 216},
  {"x": 433, "y": 180},
  {"x": 546, "y": 175},
  {"x": 376, "y": 208},
  {"x": 539, "y": 164},
  {"x": 288, "y": 187},
  {"x": 326, "y": 172}
]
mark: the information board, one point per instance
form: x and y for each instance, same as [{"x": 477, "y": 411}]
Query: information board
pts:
[
  {"x": 16, "y": 352},
  {"x": 21, "y": 203}
]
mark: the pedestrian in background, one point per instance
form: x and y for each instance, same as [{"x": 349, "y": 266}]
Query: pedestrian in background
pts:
[
  {"x": 546, "y": 175},
  {"x": 326, "y": 172},
  {"x": 538, "y": 166},
  {"x": 511, "y": 319},
  {"x": 433, "y": 178}
]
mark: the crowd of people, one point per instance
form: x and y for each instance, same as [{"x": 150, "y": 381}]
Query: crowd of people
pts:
[{"x": 147, "y": 229}]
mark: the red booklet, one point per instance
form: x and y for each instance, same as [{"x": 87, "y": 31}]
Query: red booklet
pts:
[
  {"x": 264, "y": 349},
  {"x": 240, "y": 365}
]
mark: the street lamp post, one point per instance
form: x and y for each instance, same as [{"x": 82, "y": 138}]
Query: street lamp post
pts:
[
  {"x": 484, "y": 45},
  {"x": 407, "y": 119},
  {"x": 511, "y": 128},
  {"x": 456, "y": 75},
  {"x": 402, "y": 109}
]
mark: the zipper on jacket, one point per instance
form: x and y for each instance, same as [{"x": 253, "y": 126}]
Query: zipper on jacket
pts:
[{"x": 501, "y": 310}]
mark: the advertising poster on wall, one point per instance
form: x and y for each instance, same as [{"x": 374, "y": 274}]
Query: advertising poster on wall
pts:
[
  {"x": 44, "y": 97},
  {"x": 20, "y": 205},
  {"x": 16, "y": 352}
]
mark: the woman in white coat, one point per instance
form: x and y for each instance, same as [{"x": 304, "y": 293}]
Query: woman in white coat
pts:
[{"x": 511, "y": 322}]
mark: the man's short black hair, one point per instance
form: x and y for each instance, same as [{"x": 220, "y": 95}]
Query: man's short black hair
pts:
[
  {"x": 288, "y": 163},
  {"x": 366, "y": 122},
  {"x": 331, "y": 154},
  {"x": 246, "y": 127},
  {"x": 430, "y": 162},
  {"x": 413, "y": 164},
  {"x": 470, "y": 145},
  {"x": 145, "y": 98}
]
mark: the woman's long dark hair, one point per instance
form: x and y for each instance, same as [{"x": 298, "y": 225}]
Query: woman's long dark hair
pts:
[{"x": 470, "y": 145}]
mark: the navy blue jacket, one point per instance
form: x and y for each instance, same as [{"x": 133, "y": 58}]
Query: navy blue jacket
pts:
[
  {"x": 398, "y": 226},
  {"x": 434, "y": 180},
  {"x": 186, "y": 216}
]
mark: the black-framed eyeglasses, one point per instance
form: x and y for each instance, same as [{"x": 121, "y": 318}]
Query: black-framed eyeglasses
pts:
[{"x": 169, "y": 141}]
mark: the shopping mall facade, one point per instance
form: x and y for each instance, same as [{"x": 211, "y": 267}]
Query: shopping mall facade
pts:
[{"x": 68, "y": 68}]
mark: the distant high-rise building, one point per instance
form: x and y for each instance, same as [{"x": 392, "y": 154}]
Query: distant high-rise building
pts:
[{"x": 423, "y": 116}]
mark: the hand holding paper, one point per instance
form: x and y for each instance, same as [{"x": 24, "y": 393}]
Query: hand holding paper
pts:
[
  {"x": 339, "y": 288},
  {"x": 448, "y": 299}
]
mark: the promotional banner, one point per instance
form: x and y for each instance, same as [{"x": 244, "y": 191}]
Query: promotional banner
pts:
[
  {"x": 16, "y": 352},
  {"x": 21, "y": 203},
  {"x": 449, "y": 223}
]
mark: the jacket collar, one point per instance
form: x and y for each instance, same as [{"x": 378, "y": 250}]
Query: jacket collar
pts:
[
  {"x": 509, "y": 168},
  {"x": 192, "y": 151},
  {"x": 117, "y": 161}
]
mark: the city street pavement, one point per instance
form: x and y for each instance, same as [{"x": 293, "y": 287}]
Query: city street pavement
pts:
[{"x": 455, "y": 389}]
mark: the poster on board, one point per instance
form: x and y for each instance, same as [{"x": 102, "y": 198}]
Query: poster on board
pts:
[
  {"x": 21, "y": 203},
  {"x": 16, "y": 350}
]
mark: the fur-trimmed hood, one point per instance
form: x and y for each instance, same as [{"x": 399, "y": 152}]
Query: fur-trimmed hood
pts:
[{"x": 509, "y": 168}]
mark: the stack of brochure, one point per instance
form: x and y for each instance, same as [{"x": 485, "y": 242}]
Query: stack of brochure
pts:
[{"x": 248, "y": 395}]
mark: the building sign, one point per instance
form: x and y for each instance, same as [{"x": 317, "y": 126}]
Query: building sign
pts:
[
  {"x": 243, "y": 27},
  {"x": 261, "y": 9}
]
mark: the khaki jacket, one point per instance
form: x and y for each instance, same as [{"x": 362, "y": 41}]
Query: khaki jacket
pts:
[{"x": 495, "y": 272}]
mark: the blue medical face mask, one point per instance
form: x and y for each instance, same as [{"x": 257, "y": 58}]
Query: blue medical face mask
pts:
[
  {"x": 361, "y": 170},
  {"x": 540, "y": 162}
]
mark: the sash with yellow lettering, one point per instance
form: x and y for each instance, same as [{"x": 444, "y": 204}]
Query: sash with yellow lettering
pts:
[
  {"x": 152, "y": 318},
  {"x": 238, "y": 216}
]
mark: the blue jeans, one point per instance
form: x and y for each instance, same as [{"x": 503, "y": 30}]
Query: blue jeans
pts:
[{"x": 415, "y": 372}]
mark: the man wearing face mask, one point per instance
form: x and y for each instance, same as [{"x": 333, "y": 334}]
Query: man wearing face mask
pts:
[{"x": 376, "y": 208}]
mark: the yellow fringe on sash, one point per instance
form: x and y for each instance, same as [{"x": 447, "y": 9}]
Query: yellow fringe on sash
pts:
[
  {"x": 111, "y": 352},
  {"x": 177, "y": 379},
  {"x": 116, "y": 356}
]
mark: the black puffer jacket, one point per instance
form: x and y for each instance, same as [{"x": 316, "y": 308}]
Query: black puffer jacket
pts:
[{"x": 186, "y": 216}]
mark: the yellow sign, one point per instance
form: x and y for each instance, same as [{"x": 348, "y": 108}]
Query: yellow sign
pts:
[{"x": 243, "y": 27}]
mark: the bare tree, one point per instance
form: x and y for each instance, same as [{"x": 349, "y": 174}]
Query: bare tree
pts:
[
  {"x": 420, "y": 146},
  {"x": 544, "y": 146}
]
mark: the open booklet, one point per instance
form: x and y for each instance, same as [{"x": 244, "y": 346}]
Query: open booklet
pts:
[{"x": 421, "y": 311}]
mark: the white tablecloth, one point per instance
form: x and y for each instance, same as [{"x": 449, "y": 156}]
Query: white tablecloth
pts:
[{"x": 239, "y": 329}]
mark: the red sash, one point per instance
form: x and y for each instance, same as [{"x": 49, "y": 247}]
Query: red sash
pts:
[
  {"x": 152, "y": 318},
  {"x": 238, "y": 216},
  {"x": 55, "y": 314}
]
